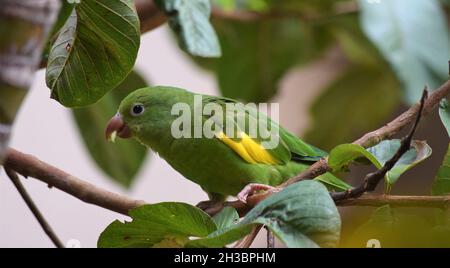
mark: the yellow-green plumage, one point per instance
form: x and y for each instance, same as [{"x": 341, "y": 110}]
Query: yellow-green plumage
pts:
[{"x": 221, "y": 165}]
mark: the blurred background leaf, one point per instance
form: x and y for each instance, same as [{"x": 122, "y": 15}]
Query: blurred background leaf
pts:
[
  {"x": 360, "y": 100},
  {"x": 121, "y": 160},
  {"x": 413, "y": 36},
  {"x": 257, "y": 54},
  {"x": 441, "y": 185},
  {"x": 190, "y": 20},
  {"x": 400, "y": 227}
]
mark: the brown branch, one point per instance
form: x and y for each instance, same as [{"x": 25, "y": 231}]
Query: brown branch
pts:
[
  {"x": 248, "y": 240},
  {"x": 376, "y": 136},
  {"x": 32, "y": 206},
  {"x": 249, "y": 16},
  {"x": 373, "y": 179},
  {"x": 149, "y": 14},
  {"x": 30, "y": 166},
  {"x": 270, "y": 238},
  {"x": 369, "y": 200}
]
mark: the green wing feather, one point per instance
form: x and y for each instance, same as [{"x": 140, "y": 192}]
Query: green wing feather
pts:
[{"x": 289, "y": 148}]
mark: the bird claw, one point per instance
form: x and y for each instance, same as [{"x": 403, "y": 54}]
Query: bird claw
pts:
[{"x": 250, "y": 189}]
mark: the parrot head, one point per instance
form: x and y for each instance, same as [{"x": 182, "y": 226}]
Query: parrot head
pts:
[{"x": 145, "y": 114}]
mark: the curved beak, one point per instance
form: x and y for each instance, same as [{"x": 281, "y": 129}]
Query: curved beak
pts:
[{"x": 116, "y": 127}]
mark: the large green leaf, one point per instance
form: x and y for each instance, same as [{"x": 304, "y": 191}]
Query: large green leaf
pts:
[
  {"x": 120, "y": 160},
  {"x": 160, "y": 225},
  {"x": 341, "y": 156},
  {"x": 360, "y": 100},
  {"x": 94, "y": 52},
  {"x": 302, "y": 215},
  {"x": 413, "y": 36},
  {"x": 441, "y": 185},
  {"x": 226, "y": 218},
  {"x": 190, "y": 20}
]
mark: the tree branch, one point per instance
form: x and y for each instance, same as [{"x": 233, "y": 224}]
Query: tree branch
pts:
[
  {"x": 37, "y": 214},
  {"x": 376, "y": 136},
  {"x": 30, "y": 166},
  {"x": 369, "y": 200},
  {"x": 373, "y": 179},
  {"x": 149, "y": 14}
]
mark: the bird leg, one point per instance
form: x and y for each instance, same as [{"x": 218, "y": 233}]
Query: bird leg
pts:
[{"x": 251, "y": 189}]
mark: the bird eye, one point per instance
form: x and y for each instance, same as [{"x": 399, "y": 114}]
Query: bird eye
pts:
[{"x": 137, "y": 109}]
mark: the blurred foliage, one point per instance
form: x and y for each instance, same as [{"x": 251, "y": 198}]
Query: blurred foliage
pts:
[
  {"x": 358, "y": 101},
  {"x": 120, "y": 160},
  {"x": 441, "y": 184},
  {"x": 190, "y": 20},
  {"x": 256, "y": 55},
  {"x": 401, "y": 227},
  {"x": 413, "y": 37}
]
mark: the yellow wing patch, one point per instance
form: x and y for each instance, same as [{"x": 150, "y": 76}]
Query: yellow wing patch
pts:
[{"x": 248, "y": 149}]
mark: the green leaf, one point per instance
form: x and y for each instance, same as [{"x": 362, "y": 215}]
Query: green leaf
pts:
[
  {"x": 413, "y": 36},
  {"x": 222, "y": 237},
  {"x": 120, "y": 160},
  {"x": 94, "y": 52},
  {"x": 64, "y": 14},
  {"x": 441, "y": 185},
  {"x": 341, "y": 156},
  {"x": 190, "y": 20},
  {"x": 385, "y": 150},
  {"x": 444, "y": 114},
  {"x": 159, "y": 225},
  {"x": 256, "y": 55},
  {"x": 333, "y": 183},
  {"x": 302, "y": 215},
  {"x": 360, "y": 100},
  {"x": 226, "y": 218}
]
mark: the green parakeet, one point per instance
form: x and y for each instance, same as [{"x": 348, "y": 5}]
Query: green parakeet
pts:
[{"x": 222, "y": 164}]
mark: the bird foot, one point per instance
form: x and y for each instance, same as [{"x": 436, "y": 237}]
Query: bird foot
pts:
[{"x": 250, "y": 190}]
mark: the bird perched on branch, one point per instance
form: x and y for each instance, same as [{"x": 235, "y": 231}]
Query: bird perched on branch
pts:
[{"x": 242, "y": 147}]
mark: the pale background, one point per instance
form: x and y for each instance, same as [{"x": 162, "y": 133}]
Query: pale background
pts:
[{"x": 46, "y": 129}]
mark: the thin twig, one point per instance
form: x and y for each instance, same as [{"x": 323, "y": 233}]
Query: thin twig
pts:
[
  {"x": 150, "y": 16},
  {"x": 247, "y": 241},
  {"x": 373, "y": 179},
  {"x": 270, "y": 238},
  {"x": 32, "y": 206}
]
